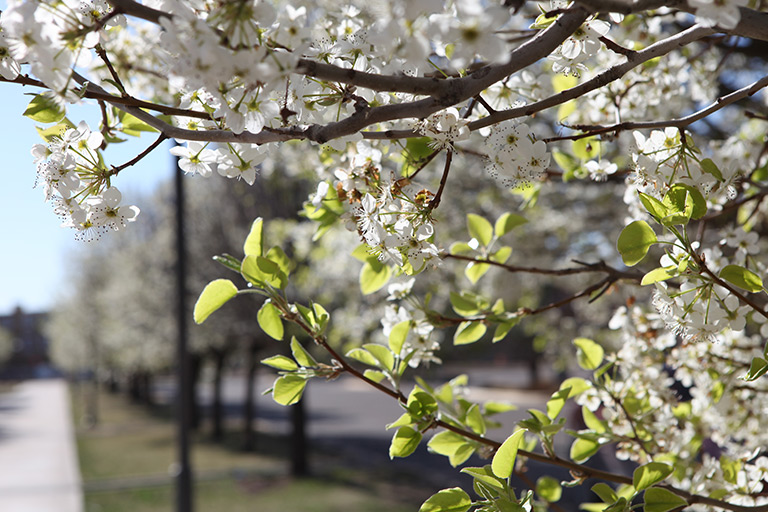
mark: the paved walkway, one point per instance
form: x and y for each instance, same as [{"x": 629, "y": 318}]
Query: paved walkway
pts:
[{"x": 38, "y": 460}]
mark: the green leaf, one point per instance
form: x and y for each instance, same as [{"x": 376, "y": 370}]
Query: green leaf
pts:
[
  {"x": 468, "y": 332},
  {"x": 281, "y": 363},
  {"x": 582, "y": 449},
  {"x": 260, "y": 270},
  {"x": 757, "y": 369},
  {"x": 605, "y": 492},
  {"x": 502, "y": 255},
  {"x": 549, "y": 488},
  {"x": 659, "y": 274},
  {"x": 404, "y": 442},
  {"x": 653, "y": 206},
  {"x": 374, "y": 375},
  {"x": 288, "y": 389},
  {"x": 362, "y": 355},
  {"x": 709, "y": 167},
  {"x": 502, "y": 330},
  {"x": 507, "y": 222},
  {"x": 587, "y": 148},
  {"x": 731, "y": 469},
  {"x": 447, "y": 500},
  {"x": 277, "y": 255},
  {"x": 662, "y": 500},
  {"x": 568, "y": 389},
  {"x": 494, "y": 407},
  {"x": 397, "y": 336},
  {"x": 214, "y": 295},
  {"x": 300, "y": 354},
  {"x": 44, "y": 110},
  {"x": 254, "y": 242},
  {"x": 591, "y": 421},
  {"x": 475, "y": 419},
  {"x": 741, "y": 277},
  {"x": 57, "y": 130},
  {"x": 270, "y": 321},
  {"x": 133, "y": 126},
  {"x": 373, "y": 276},
  {"x": 460, "y": 248},
  {"x": 683, "y": 203},
  {"x": 464, "y": 304},
  {"x": 480, "y": 229},
  {"x": 504, "y": 459},
  {"x": 567, "y": 162},
  {"x": 382, "y": 354},
  {"x": 474, "y": 271},
  {"x": 634, "y": 242},
  {"x": 452, "y": 445},
  {"x": 650, "y": 474},
  {"x": 589, "y": 353}
]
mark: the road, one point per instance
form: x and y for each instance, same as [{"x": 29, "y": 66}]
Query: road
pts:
[{"x": 38, "y": 460}]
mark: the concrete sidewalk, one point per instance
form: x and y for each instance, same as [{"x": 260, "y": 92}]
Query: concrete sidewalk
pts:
[{"x": 38, "y": 459}]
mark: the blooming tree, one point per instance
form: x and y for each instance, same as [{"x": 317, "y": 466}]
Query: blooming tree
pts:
[{"x": 404, "y": 101}]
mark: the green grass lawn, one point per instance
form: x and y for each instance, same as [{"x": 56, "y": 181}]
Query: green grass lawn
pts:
[{"x": 125, "y": 461}]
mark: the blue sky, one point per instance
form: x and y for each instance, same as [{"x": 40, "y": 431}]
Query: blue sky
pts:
[{"x": 35, "y": 252}]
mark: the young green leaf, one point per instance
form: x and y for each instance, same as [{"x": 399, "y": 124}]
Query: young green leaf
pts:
[
  {"x": 362, "y": 355},
  {"x": 382, "y": 354},
  {"x": 757, "y": 369},
  {"x": 270, "y": 321},
  {"x": 650, "y": 474},
  {"x": 503, "y": 461},
  {"x": 605, "y": 492},
  {"x": 709, "y": 167},
  {"x": 592, "y": 421},
  {"x": 662, "y": 500},
  {"x": 404, "y": 442},
  {"x": 549, "y": 488},
  {"x": 464, "y": 304},
  {"x": 474, "y": 271},
  {"x": 397, "y": 336},
  {"x": 44, "y": 110},
  {"x": 479, "y": 229},
  {"x": 634, "y": 242},
  {"x": 288, "y": 389},
  {"x": 507, "y": 222},
  {"x": 373, "y": 276},
  {"x": 656, "y": 208},
  {"x": 589, "y": 353},
  {"x": 277, "y": 255},
  {"x": 301, "y": 355},
  {"x": 582, "y": 449},
  {"x": 468, "y": 332},
  {"x": 659, "y": 274},
  {"x": 254, "y": 242},
  {"x": 448, "y": 500},
  {"x": 742, "y": 277},
  {"x": 214, "y": 295},
  {"x": 281, "y": 363},
  {"x": 260, "y": 271},
  {"x": 452, "y": 445}
]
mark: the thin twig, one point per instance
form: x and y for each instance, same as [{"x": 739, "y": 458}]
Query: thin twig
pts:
[{"x": 160, "y": 139}]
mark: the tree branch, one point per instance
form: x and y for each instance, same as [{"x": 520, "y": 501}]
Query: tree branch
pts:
[
  {"x": 610, "y": 75},
  {"x": 681, "y": 122}
]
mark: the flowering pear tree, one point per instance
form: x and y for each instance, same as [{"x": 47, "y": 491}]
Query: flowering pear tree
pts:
[{"x": 424, "y": 115}]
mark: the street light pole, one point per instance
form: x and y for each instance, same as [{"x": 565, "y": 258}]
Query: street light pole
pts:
[{"x": 183, "y": 412}]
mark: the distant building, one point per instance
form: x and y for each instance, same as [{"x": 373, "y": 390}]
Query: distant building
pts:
[{"x": 30, "y": 347}]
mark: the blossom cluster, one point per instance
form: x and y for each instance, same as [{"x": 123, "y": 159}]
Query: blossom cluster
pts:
[
  {"x": 391, "y": 215},
  {"x": 694, "y": 405},
  {"x": 514, "y": 156},
  {"x": 74, "y": 180},
  {"x": 420, "y": 346}
]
